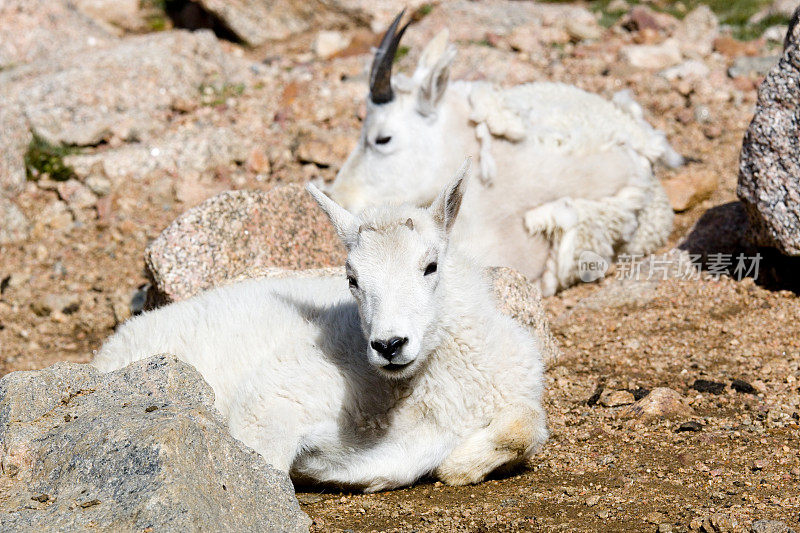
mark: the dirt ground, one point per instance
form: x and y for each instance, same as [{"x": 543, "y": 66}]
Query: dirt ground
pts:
[{"x": 735, "y": 461}]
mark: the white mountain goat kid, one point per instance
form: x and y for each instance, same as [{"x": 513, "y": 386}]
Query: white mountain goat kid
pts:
[
  {"x": 562, "y": 170},
  {"x": 411, "y": 371}
]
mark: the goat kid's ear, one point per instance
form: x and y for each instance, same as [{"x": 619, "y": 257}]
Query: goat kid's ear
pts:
[
  {"x": 446, "y": 206},
  {"x": 344, "y": 222},
  {"x": 433, "y": 72}
]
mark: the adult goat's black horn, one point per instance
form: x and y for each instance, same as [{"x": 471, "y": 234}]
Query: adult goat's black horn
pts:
[{"x": 380, "y": 76}]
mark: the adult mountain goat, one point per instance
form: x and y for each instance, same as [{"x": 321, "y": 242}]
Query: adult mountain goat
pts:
[
  {"x": 410, "y": 371},
  {"x": 562, "y": 171}
]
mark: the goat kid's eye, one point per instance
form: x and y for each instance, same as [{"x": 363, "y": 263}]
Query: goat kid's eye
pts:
[
  {"x": 383, "y": 140},
  {"x": 431, "y": 268},
  {"x": 352, "y": 281}
]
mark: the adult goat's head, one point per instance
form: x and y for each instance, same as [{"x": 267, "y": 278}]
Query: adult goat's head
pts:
[
  {"x": 396, "y": 267},
  {"x": 399, "y": 156}
]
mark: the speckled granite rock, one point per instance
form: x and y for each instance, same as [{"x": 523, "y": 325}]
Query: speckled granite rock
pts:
[
  {"x": 139, "y": 449},
  {"x": 522, "y": 300},
  {"x": 258, "y": 21},
  {"x": 13, "y": 224},
  {"x": 34, "y": 30},
  {"x": 238, "y": 231},
  {"x": 194, "y": 148},
  {"x": 127, "y": 89},
  {"x": 15, "y": 136},
  {"x": 769, "y": 166}
]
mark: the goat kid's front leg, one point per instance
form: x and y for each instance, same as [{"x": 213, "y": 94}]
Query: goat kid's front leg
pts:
[{"x": 508, "y": 440}]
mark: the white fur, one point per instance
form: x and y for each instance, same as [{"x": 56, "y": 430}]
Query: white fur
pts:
[
  {"x": 292, "y": 370},
  {"x": 537, "y": 144}
]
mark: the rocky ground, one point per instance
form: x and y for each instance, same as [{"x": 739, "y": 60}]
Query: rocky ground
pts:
[{"x": 125, "y": 128}]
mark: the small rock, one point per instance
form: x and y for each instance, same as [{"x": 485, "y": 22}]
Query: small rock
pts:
[
  {"x": 727, "y": 45},
  {"x": 662, "y": 402},
  {"x": 689, "y": 69},
  {"x": 748, "y": 66},
  {"x": 593, "y": 500},
  {"x": 603, "y": 514},
  {"x": 770, "y": 526},
  {"x": 696, "y": 32},
  {"x": 723, "y": 523},
  {"x": 583, "y": 29},
  {"x": 98, "y": 182},
  {"x": 258, "y": 161},
  {"x": 664, "y": 528},
  {"x": 618, "y": 6},
  {"x": 654, "y": 518},
  {"x": 689, "y": 188},
  {"x": 652, "y": 56},
  {"x": 328, "y": 43},
  {"x": 707, "y": 386},
  {"x": 742, "y": 386},
  {"x": 643, "y": 18},
  {"x": 758, "y": 464},
  {"x": 616, "y": 398},
  {"x": 524, "y": 39},
  {"x": 775, "y": 34},
  {"x": 316, "y": 151},
  {"x": 64, "y": 303},
  {"x": 14, "y": 226},
  {"x": 690, "y": 426},
  {"x": 76, "y": 194}
]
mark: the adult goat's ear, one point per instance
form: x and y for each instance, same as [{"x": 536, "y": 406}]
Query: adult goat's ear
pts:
[
  {"x": 446, "y": 206},
  {"x": 433, "y": 72},
  {"x": 344, "y": 222}
]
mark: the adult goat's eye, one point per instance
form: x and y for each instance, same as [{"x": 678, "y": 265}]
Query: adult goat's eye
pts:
[
  {"x": 383, "y": 140},
  {"x": 352, "y": 281},
  {"x": 431, "y": 268}
]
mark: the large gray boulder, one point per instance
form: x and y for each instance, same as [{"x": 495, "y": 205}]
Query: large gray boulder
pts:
[
  {"x": 139, "y": 449},
  {"x": 769, "y": 165},
  {"x": 35, "y": 30},
  {"x": 15, "y": 137},
  {"x": 128, "y": 88}
]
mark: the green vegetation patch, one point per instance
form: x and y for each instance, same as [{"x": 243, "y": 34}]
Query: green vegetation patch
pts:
[
  {"x": 43, "y": 157},
  {"x": 215, "y": 95}
]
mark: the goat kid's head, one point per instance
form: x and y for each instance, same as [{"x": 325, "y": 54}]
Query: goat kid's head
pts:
[
  {"x": 395, "y": 260},
  {"x": 401, "y": 141}
]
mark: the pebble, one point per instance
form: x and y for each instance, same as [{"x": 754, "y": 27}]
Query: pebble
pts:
[
  {"x": 14, "y": 225},
  {"x": 328, "y": 43},
  {"x": 705, "y": 385},
  {"x": 99, "y": 184},
  {"x": 752, "y": 66},
  {"x": 652, "y": 56},
  {"x": 592, "y": 500},
  {"x": 582, "y": 30},
  {"x": 770, "y": 526},
  {"x": 742, "y": 386},
  {"x": 662, "y": 402},
  {"x": 49, "y": 303},
  {"x": 690, "y": 426},
  {"x": 616, "y": 398}
]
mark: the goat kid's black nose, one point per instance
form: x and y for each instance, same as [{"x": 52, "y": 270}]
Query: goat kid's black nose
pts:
[{"x": 389, "y": 348}]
